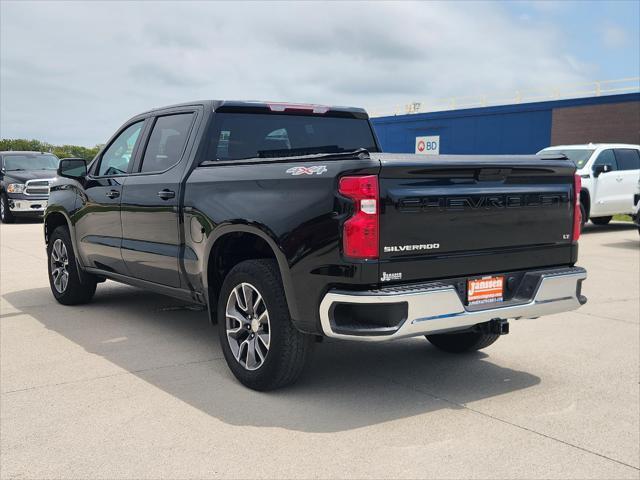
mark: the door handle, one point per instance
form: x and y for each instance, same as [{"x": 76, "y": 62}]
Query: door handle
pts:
[
  {"x": 166, "y": 194},
  {"x": 113, "y": 194},
  {"x": 618, "y": 179}
]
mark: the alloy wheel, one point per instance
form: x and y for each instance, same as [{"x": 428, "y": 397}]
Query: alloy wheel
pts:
[
  {"x": 248, "y": 327},
  {"x": 59, "y": 264}
]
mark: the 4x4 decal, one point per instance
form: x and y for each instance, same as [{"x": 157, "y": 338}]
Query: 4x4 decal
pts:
[{"x": 317, "y": 169}]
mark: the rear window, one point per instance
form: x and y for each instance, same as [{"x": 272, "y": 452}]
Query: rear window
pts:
[
  {"x": 238, "y": 136},
  {"x": 579, "y": 157}
]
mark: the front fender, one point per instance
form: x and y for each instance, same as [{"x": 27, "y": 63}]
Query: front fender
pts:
[
  {"x": 62, "y": 202},
  {"x": 59, "y": 212}
]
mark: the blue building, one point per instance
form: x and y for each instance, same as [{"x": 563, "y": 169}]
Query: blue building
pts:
[{"x": 516, "y": 129}]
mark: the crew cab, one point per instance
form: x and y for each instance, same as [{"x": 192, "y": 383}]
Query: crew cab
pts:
[
  {"x": 609, "y": 174},
  {"x": 24, "y": 183},
  {"x": 289, "y": 224}
]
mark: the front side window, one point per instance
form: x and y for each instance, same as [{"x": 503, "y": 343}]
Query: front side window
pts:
[
  {"x": 116, "y": 158},
  {"x": 30, "y": 161},
  {"x": 167, "y": 141},
  {"x": 255, "y": 135},
  {"x": 628, "y": 159},
  {"x": 606, "y": 157}
]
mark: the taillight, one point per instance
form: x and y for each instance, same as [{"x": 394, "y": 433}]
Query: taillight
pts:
[
  {"x": 360, "y": 232},
  {"x": 577, "y": 213}
]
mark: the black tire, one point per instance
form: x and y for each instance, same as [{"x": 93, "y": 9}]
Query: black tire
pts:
[
  {"x": 462, "y": 342},
  {"x": 79, "y": 288},
  {"x": 600, "y": 220},
  {"x": 5, "y": 214},
  {"x": 583, "y": 217},
  {"x": 288, "y": 350}
]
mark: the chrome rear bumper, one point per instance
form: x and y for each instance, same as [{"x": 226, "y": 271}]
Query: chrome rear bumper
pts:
[{"x": 436, "y": 307}]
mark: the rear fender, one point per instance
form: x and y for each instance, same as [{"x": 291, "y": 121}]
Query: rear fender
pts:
[{"x": 264, "y": 233}]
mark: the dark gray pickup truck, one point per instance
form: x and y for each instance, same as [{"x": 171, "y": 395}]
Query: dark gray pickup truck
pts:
[
  {"x": 24, "y": 183},
  {"x": 289, "y": 224}
]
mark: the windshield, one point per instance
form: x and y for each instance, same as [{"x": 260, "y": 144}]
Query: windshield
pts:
[
  {"x": 579, "y": 157},
  {"x": 249, "y": 135},
  {"x": 36, "y": 161}
]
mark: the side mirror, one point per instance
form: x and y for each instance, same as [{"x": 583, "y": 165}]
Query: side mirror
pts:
[
  {"x": 598, "y": 169},
  {"x": 75, "y": 168}
]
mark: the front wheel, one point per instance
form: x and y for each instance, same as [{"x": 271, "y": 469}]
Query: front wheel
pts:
[
  {"x": 262, "y": 347},
  {"x": 600, "y": 220},
  {"x": 5, "y": 213},
  {"x": 66, "y": 284},
  {"x": 462, "y": 342}
]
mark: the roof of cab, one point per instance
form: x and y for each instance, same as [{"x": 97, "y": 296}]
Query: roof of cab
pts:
[
  {"x": 264, "y": 106},
  {"x": 591, "y": 145}
]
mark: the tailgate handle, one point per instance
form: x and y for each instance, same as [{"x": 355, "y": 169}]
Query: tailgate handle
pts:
[{"x": 493, "y": 174}]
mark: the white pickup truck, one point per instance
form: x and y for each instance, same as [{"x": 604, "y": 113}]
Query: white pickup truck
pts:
[{"x": 609, "y": 173}]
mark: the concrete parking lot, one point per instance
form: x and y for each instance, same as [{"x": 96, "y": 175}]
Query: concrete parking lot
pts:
[{"x": 134, "y": 385}]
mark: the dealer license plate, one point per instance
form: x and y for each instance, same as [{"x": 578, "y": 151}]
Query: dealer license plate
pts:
[{"x": 485, "y": 290}]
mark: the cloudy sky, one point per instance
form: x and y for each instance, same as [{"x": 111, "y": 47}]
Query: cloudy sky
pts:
[{"x": 72, "y": 72}]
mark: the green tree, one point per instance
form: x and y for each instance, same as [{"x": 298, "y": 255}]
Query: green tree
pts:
[{"x": 61, "y": 151}]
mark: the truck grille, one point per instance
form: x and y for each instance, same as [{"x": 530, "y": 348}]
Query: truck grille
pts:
[{"x": 37, "y": 187}]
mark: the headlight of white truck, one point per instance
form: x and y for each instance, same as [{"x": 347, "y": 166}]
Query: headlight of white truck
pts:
[{"x": 15, "y": 188}]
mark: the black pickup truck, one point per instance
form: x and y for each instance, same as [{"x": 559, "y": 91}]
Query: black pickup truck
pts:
[
  {"x": 24, "y": 183},
  {"x": 289, "y": 224}
]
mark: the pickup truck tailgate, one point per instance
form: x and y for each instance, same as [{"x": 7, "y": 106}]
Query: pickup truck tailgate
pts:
[{"x": 453, "y": 208}]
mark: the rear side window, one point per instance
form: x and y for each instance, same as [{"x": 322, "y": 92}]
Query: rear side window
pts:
[
  {"x": 166, "y": 143},
  {"x": 253, "y": 135},
  {"x": 628, "y": 159},
  {"x": 606, "y": 157}
]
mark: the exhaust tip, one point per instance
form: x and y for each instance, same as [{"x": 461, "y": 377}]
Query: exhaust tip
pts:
[{"x": 499, "y": 326}]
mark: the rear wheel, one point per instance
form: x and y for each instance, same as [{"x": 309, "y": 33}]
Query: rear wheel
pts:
[
  {"x": 583, "y": 217},
  {"x": 462, "y": 342},
  {"x": 5, "y": 213},
  {"x": 600, "y": 220},
  {"x": 66, "y": 284},
  {"x": 261, "y": 345}
]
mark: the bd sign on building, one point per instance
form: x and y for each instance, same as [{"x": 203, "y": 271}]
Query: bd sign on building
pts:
[{"x": 428, "y": 145}]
